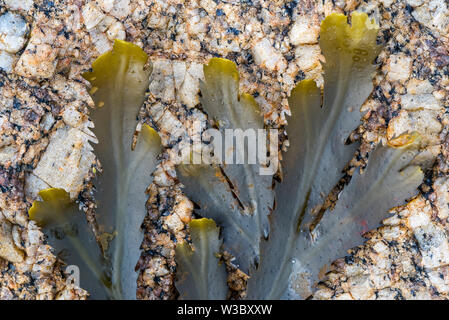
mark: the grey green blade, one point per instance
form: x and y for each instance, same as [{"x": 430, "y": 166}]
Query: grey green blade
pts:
[
  {"x": 119, "y": 81},
  {"x": 200, "y": 274},
  {"x": 236, "y": 196}
]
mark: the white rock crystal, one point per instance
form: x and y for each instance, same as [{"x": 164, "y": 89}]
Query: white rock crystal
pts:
[
  {"x": 116, "y": 31},
  {"x": 100, "y": 40},
  {"x": 13, "y": 30},
  {"x": 420, "y": 101},
  {"x": 307, "y": 56},
  {"x": 400, "y": 67},
  {"x": 303, "y": 32},
  {"x": 106, "y": 5},
  {"x": 6, "y": 61},
  {"x": 267, "y": 56},
  {"x": 8, "y": 250},
  {"x": 69, "y": 171},
  {"x": 92, "y": 15},
  {"x": 121, "y": 8},
  {"x": 24, "y": 5}
]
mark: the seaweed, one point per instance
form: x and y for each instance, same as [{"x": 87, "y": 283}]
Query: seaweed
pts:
[
  {"x": 301, "y": 242},
  {"x": 293, "y": 244},
  {"x": 70, "y": 235},
  {"x": 386, "y": 182},
  {"x": 236, "y": 196},
  {"x": 200, "y": 274},
  {"x": 53, "y": 207},
  {"x": 119, "y": 80},
  {"x": 314, "y": 162}
]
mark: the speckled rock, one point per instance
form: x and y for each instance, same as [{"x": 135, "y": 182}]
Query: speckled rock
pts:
[
  {"x": 29, "y": 112},
  {"x": 44, "y": 102},
  {"x": 8, "y": 249}
]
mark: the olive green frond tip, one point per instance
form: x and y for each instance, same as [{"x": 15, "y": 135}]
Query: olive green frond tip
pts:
[
  {"x": 200, "y": 275},
  {"x": 105, "y": 64},
  {"x": 197, "y": 228},
  {"x": 359, "y": 38},
  {"x": 248, "y": 99},
  {"x": 336, "y": 25},
  {"x": 202, "y": 224},
  {"x": 128, "y": 48},
  {"x": 150, "y": 135},
  {"x": 55, "y": 202},
  {"x": 220, "y": 67},
  {"x": 305, "y": 87}
]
